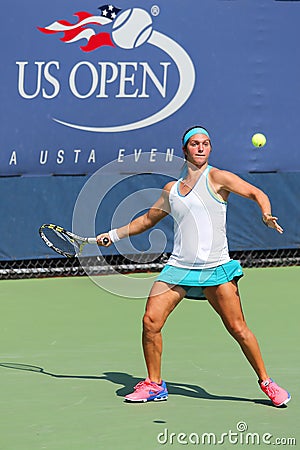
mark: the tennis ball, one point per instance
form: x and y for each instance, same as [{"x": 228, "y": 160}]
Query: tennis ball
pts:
[
  {"x": 259, "y": 140},
  {"x": 132, "y": 28}
]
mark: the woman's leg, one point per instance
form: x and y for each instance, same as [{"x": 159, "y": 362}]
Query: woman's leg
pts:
[
  {"x": 161, "y": 302},
  {"x": 226, "y": 301}
]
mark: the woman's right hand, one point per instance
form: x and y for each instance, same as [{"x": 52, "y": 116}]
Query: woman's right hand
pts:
[{"x": 103, "y": 240}]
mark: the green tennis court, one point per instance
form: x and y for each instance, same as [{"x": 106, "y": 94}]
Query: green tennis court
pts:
[{"x": 70, "y": 351}]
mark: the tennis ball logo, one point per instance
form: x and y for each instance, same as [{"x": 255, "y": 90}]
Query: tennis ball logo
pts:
[
  {"x": 259, "y": 140},
  {"x": 132, "y": 28}
]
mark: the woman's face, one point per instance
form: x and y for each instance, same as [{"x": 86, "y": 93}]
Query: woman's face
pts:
[{"x": 197, "y": 149}]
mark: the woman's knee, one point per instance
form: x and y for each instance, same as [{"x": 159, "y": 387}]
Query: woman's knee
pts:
[
  {"x": 239, "y": 330},
  {"x": 152, "y": 323}
]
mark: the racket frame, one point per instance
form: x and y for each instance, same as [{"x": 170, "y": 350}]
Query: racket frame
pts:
[{"x": 78, "y": 240}]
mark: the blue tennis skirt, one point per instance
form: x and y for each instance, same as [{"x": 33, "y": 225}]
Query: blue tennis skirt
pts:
[{"x": 194, "y": 280}]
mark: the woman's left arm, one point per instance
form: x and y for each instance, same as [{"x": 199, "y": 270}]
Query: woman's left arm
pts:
[{"x": 223, "y": 180}]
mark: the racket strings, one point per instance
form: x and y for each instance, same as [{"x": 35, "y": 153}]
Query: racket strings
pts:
[{"x": 61, "y": 241}]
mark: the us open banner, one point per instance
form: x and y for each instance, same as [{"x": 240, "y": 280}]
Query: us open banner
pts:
[{"x": 85, "y": 83}]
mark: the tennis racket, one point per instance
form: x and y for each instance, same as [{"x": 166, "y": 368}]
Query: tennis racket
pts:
[{"x": 64, "y": 242}]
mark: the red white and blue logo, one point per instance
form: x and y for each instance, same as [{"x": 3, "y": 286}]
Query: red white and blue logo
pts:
[
  {"x": 88, "y": 27},
  {"x": 146, "y": 76}
]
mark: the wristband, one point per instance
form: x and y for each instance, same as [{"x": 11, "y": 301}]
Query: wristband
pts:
[{"x": 113, "y": 235}]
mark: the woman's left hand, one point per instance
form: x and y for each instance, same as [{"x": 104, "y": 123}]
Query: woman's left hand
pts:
[{"x": 271, "y": 222}]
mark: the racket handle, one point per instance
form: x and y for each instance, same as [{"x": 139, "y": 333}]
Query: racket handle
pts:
[
  {"x": 91, "y": 240},
  {"x": 94, "y": 241}
]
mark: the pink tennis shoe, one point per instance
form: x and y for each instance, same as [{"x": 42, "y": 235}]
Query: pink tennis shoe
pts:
[
  {"x": 147, "y": 390},
  {"x": 276, "y": 394}
]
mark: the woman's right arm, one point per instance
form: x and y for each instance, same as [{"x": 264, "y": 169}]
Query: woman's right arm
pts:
[{"x": 157, "y": 212}]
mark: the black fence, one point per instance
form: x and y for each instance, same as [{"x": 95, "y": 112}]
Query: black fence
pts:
[{"x": 63, "y": 267}]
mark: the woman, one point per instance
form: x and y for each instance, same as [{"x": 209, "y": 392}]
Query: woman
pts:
[{"x": 199, "y": 266}]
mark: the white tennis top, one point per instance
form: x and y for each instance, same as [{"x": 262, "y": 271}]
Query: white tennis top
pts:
[{"x": 199, "y": 226}]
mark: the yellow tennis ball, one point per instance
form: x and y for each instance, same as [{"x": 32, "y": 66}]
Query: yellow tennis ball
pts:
[{"x": 259, "y": 140}]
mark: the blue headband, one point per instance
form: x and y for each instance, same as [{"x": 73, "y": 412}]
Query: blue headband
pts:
[{"x": 196, "y": 130}]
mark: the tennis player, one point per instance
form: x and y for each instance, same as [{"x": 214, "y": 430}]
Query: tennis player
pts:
[{"x": 199, "y": 266}]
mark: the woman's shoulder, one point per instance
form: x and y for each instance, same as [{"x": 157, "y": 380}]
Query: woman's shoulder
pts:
[
  {"x": 167, "y": 188},
  {"x": 216, "y": 173}
]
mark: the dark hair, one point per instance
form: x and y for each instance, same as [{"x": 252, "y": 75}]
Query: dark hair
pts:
[{"x": 195, "y": 126}]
